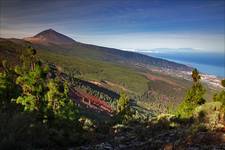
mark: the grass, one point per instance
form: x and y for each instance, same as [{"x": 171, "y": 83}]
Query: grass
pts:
[
  {"x": 98, "y": 70},
  {"x": 91, "y": 63}
]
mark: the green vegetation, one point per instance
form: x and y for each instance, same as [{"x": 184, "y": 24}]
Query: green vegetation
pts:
[
  {"x": 123, "y": 102},
  {"x": 221, "y": 96},
  {"x": 124, "y": 113},
  {"x": 84, "y": 63},
  {"x": 92, "y": 63},
  {"x": 8, "y": 89},
  {"x": 36, "y": 111},
  {"x": 210, "y": 113},
  {"x": 93, "y": 70},
  {"x": 39, "y": 96},
  {"x": 193, "y": 98},
  {"x": 42, "y": 104}
]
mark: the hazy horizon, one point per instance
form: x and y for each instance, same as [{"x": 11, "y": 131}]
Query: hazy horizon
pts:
[{"x": 127, "y": 25}]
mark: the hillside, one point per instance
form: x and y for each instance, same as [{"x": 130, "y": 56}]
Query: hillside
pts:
[
  {"x": 61, "y": 43},
  {"x": 57, "y": 100},
  {"x": 111, "y": 68},
  {"x": 112, "y": 75}
]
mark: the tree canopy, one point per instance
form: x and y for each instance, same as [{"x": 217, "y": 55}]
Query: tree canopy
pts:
[{"x": 193, "y": 98}]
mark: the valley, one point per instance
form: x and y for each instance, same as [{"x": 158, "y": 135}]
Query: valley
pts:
[
  {"x": 94, "y": 63},
  {"x": 112, "y": 75},
  {"x": 120, "y": 95},
  {"x": 142, "y": 77}
]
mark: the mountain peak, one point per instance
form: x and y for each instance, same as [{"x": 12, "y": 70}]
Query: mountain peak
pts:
[
  {"x": 46, "y": 32},
  {"x": 50, "y": 36}
]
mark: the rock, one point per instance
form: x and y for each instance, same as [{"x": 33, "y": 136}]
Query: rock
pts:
[
  {"x": 104, "y": 146},
  {"x": 119, "y": 138},
  {"x": 122, "y": 146},
  {"x": 168, "y": 146}
]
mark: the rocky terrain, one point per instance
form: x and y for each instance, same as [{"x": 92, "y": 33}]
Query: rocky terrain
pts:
[{"x": 167, "y": 133}]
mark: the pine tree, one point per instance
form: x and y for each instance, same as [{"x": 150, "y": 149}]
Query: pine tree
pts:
[
  {"x": 195, "y": 75},
  {"x": 58, "y": 101},
  {"x": 40, "y": 93},
  {"x": 33, "y": 87},
  {"x": 195, "y": 94},
  {"x": 193, "y": 97}
]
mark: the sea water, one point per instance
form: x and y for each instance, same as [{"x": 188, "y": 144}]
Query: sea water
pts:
[{"x": 209, "y": 63}]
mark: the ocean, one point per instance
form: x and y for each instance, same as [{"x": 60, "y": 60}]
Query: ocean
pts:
[{"x": 208, "y": 63}]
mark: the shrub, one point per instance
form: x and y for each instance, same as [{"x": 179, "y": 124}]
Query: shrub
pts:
[
  {"x": 193, "y": 98},
  {"x": 166, "y": 121},
  {"x": 211, "y": 114},
  {"x": 123, "y": 102},
  {"x": 220, "y": 97}
]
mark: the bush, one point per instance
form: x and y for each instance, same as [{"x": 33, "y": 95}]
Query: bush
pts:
[
  {"x": 185, "y": 110},
  {"x": 23, "y": 131},
  {"x": 123, "y": 102},
  {"x": 87, "y": 124},
  {"x": 220, "y": 97},
  {"x": 166, "y": 121},
  {"x": 195, "y": 128},
  {"x": 211, "y": 114}
]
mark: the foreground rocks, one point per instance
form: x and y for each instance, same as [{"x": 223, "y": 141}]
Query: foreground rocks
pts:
[
  {"x": 139, "y": 137},
  {"x": 206, "y": 130}
]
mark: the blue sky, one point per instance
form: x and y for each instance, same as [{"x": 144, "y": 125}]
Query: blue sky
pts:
[{"x": 127, "y": 24}]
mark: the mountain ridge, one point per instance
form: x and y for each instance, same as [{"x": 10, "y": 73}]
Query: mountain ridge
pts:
[
  {"x": 126, "y": 69},
  {"x": 50, "y": 36},
  {"x": 62, "y": 43}
]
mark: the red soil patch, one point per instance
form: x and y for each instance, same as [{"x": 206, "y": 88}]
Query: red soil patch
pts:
[
  {"x": 155, "y": 78},
  {"x": 90, "y": 100}
]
